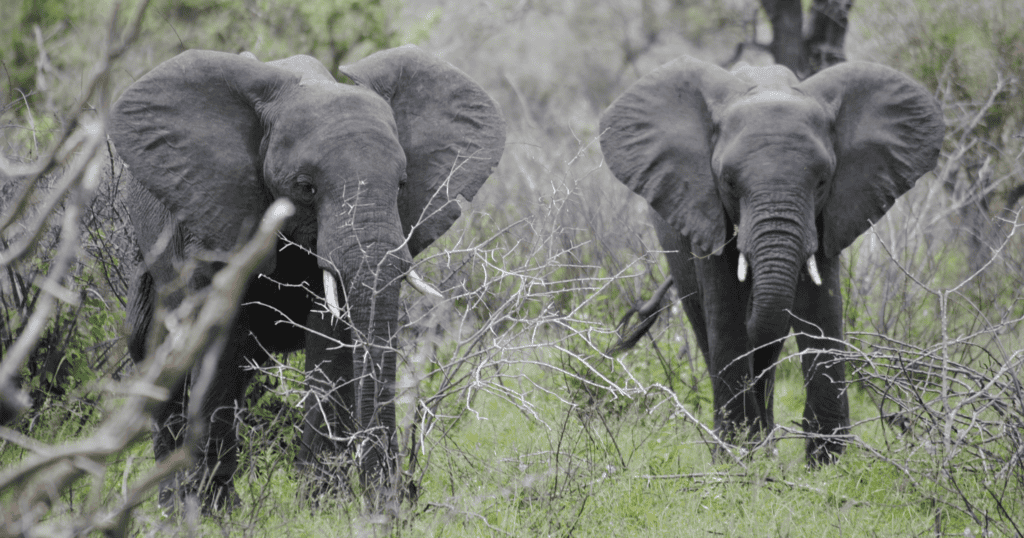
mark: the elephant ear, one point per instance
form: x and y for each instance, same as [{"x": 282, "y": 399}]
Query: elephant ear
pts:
[
  {"x": 888, "y": 130},
  {"x": 657, "y": 140},
  {"x": 452, "y": 132},
  {"x": 190, "y": 132}
]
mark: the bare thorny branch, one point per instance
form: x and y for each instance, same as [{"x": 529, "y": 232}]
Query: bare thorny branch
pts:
[{"x": 36, "y": 486}]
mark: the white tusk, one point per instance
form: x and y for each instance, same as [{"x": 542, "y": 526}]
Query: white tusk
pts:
[
  {"x": 741, "y": 271},
  {"x": 331, "y": 294},
  {"x": 812, "y": 269},
  {"x": 421, "y": 286}
]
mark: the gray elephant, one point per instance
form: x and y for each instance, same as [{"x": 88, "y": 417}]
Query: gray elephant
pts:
[
  {"x": 757, "y": 182},
  {"x": 373, "y": 169}
]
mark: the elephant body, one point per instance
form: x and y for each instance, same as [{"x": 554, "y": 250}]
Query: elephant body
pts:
[
  {"x": 757, "y": 182},
  {"x": 373, "y": 169}
]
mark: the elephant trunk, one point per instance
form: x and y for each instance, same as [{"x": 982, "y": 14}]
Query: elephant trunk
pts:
[
  {"x": 371, "y": 270},
  {"x": 775, "y": 269},
  {"x": 779, "y": 244},
  {"x": 374, "y": 315}
]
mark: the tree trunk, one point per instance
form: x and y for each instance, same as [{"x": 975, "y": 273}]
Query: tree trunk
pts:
[
  {"x": 806, "y": 52},
  {"x": 826, "y": 34},
  {"x": 787, "y": 44}
]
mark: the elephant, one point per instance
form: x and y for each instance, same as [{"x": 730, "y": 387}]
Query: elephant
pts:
[
  {"x": 756, "y": 182},
  {"x": 373, "y": 168}
]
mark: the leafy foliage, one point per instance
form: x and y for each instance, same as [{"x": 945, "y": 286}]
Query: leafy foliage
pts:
[
  {"x": 25, "y": 24},
  {"x": 332, "y": 32},
  {"x": 37, "y": 84}
]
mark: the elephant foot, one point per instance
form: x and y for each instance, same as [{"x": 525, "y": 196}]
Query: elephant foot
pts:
[
  {"x": 825, "y": 444},
  {"x": 219, "y": 496},
  {"x": 212, "y": 496},
  {"x": 323, "y": 491},
  {"x": 765, "y": 445},
  {"x": 760, "y": 447},
  {"x": 168, "y": 497},
  {"x": 326, "y": 477},
  {"x": 745, "y": 432}
]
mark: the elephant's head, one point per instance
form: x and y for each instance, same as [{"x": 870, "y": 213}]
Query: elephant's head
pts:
[
  {"x": 794, "y": 169},
  {"x": 374, "y": 169}
]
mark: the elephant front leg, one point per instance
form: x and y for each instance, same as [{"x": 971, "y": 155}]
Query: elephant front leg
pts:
[
  {"x": 200, "y": 414},
  {"x": 330, "y": 404},
  {"x": 763, "y": 360},
  {"x": 213, "y": 429},
  {"x": 168, "y": 436},
  {"x": 738, "y": 413},
  {"x": 818, "y": 324}
]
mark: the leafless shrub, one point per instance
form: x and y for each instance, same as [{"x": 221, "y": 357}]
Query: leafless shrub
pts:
[
  {"x": 948, "y": 390},
  {"x": 935, "y": 307},
  {"x": 37, "y": 495}
]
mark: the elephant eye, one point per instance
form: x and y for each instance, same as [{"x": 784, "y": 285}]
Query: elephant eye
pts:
[
  {"x": 306, "y": 186},
  {"x": 824, "y": 176},
  {"x": 404, "y": 180}
]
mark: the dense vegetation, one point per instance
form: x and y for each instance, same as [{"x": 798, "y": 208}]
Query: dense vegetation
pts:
[{"x": 514, "y": 419}]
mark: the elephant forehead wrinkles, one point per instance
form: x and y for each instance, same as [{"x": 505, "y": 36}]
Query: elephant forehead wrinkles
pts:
[
  {"x": 790, "y": 127},
  {"x": 775, "y": 112},
  {"x": 323, "y": 104},
  {"x": 788, "y": 151},
  {"x": 777, "y": 144},
  {"x": 356, "y": 149},
  {"x": 773, "y": 157},
  {"x": 319, "y": 119}
]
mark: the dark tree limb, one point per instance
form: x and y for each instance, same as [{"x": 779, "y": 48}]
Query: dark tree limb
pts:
[
  {"x": 806, "y": 52},
  {"x": 787, "y": 46},
  {"x": 826, "y": 33}
]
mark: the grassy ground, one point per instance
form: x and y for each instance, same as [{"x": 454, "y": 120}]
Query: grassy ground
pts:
[{"x": 640, "y": 472}]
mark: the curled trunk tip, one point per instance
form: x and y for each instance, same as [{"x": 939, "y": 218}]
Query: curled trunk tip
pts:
[{"x": 772, "y": 294}]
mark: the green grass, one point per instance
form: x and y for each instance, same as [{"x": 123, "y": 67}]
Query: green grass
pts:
[
  {"x": 552, "y": 464},
  {"x": 638, "y": 472}
]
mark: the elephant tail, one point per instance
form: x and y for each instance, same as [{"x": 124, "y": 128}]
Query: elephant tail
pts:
[
  {"x": 647, "y": 314},
  {"x": 141, "y": 297}
]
